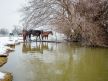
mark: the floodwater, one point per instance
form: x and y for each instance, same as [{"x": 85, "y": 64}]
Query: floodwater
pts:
[{"x": 57, "y": 62}]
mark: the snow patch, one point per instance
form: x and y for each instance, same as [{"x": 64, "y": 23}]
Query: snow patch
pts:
[{"x": 2, "y": 75}]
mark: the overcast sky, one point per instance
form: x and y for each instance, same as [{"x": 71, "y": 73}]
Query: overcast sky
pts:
[{"x": 9, "y": 14}]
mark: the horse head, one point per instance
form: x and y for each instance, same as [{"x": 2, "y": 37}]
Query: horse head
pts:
[
  {"x": 50, "y": 32},
  {"x": 30, "y": 31},
  {"x": 41, "y": 31}
]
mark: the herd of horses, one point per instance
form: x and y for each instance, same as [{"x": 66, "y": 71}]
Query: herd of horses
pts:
[{"x": 38, "y": 33}]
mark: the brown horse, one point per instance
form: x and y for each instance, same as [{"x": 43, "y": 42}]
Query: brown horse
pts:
[
  {"x": 25, "y": 35},
  {"x": 45, "y": 34}
]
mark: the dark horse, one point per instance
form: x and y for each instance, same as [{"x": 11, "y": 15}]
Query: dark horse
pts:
[
  {"x": 36, "y": 33},
  {"x": 28, "y": 33}
]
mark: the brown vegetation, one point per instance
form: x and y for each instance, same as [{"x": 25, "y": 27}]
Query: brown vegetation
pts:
[
  {"x": 3, "y": 60},
  {"x": 7, "y": 77},
  {"x": 85, "y": 21},
  {"x": 94, "y": 23}
]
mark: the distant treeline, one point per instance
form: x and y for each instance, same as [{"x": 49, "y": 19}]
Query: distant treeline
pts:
[
  {"x": 4, "y": 31},
  {"x": 15, "y": 31}
]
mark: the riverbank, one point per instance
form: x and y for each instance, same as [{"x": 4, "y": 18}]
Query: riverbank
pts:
[
  {"x": 6, "y": 46},
  {"x": 5, "y": 76}
]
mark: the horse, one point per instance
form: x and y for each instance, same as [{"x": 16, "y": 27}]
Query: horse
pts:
[
  {"x": 11, "y": 34},
  {"x": 36, "y": 33},
  {"x": 25, "y": 34},
  {"x": 45, "y": 34}
]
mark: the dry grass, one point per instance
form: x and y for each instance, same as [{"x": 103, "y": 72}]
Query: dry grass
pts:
[
  {"x": 3, "y": 60},
  {"x": 8, "y": 77}
]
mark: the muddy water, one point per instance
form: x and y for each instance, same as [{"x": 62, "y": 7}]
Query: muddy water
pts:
[{"x": 57, "y": 62}]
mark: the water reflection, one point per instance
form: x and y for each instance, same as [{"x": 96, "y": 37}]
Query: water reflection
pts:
[
  {"x": 38, "y": 47},
  {"x": 70, "y": 63},
  {"x": 59, "y": 62}
]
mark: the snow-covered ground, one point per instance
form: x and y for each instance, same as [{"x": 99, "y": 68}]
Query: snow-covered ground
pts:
[
  {"x": 5, "y": 76},
  {"x": 2, "y": 75},
  {"x": 4, "y": 50},
  {"x": 5, "y": 41},
  {"x": 9, "y": 40}
]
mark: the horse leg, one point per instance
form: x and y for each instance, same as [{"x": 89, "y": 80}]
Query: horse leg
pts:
[
  {"x": 24, "y": 38},
  {"x": 47, "y": 37},
  {"x": 36, "y": 38},
  {"x": 42, "y": 37},
  {"x": 30, "y": 37},
  {"x": 39, "y": 38}
]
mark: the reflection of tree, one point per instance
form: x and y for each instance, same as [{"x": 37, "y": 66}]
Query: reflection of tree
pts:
[
  {"x": 38, "y": 47},
  {"x": 69, "y": 64},
  {"x": 84, "y": 64}
]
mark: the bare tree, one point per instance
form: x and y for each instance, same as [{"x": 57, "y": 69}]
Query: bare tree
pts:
[
  {"x": 16, "y": 30},
  {"x": 87, "y": 19},
  {"x": 94, "y": 14},
  {"x": 37, "y": 13}
]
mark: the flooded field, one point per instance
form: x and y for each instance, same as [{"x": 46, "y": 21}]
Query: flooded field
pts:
[{"x": 57, "y": 62}]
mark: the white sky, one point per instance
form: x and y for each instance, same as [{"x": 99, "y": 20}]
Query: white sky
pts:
[{"x": 9, "y": 14}]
